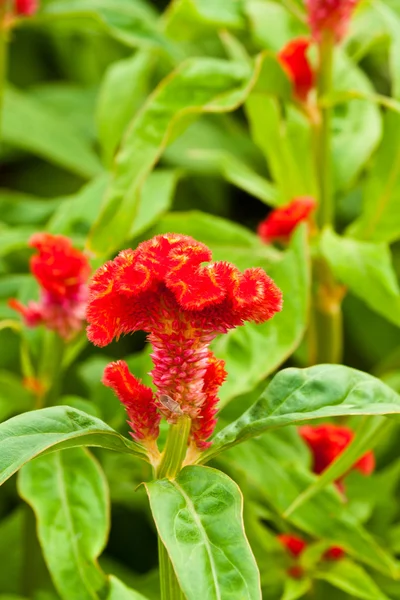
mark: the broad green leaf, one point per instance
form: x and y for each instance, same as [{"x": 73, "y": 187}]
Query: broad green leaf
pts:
[
  {"x": 191, "y": 19},
  {"x": 380, "y": 217},
  {"x": 240, "y": 174},
  {"x": 14, "y": 238},
  {"x": 12, "y": 550},
  {"x": 199, "y": 519},
  {"x": 156, "y": 198},
  {"x": 366, "y": 269},
  {"x": 285, "y": 140},
  {"x": 131, "y": 22},
  {"x": 272, "y": 25},
  {"x": 29, "y": 125},
  {"x": 296, "y": 395},
  {"x": 197, "y": 86},
  {"x": 119, "y": 591},
  {"x": 367, "y": 435},
  {"x": 296, "y": 588},
  {"x": 357, "y": 124},
  {"x": 69, "y": 496},
  {"x": 122, "y": 91},
  {"x": 22, "y": 209},
  {"x": 252, "y": 352},
  {"x": 278, "y": 478},
  {"x": 26, "y": 436},
  {"x": 14, "y": 397},
  {"x": 351, "y": 578}
]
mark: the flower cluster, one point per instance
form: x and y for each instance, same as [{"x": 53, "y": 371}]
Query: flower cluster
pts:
[
  {"x": 331, "y": 16},
  {"x": 327, "y": 442},
  {"x": 281, "y": 222},
  {"x": 295, "y": 546},
  {"x": 165, "y": 289},
  {"x": 62, "y": 272}
]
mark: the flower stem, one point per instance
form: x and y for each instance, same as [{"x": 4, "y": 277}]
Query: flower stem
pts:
[
  {"x": 323, "y": 157},
  {"x": 4, "y": 34},
  {"x": 50, "y": 367},
  {"x": 170, "y": 465}
]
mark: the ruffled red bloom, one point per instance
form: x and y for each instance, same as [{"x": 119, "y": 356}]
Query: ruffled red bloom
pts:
[
  {"x": 330, "y": 15},
  {"x": 293, "y": 58},
  {"x": 327, "y": 442},
  {"x": 164, "y": 288},
  {"x": 281, "y": 222},
  {"x": 139, "y": 400},
  {"x": 62, "y": 272},
  {"x": 26, "y": 8}
]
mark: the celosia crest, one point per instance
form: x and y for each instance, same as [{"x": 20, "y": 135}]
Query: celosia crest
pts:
[
  {"x": 281, "y": 222},
  {"x": 327, "y": 442},
  {"x": 26, "y": 8},
  {"x": 165, "y": 288},
  {"x": 329, "y": 16},
  {"x": 62, "y": 272},
  {"x": 293, "y": 58}
]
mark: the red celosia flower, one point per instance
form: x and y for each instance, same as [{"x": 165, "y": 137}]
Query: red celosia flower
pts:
[
  {"x": 330, "y": 16},
  {"x": 62, "y": 272},
  {"x": 327, "y": 442},
  {"x": 293, "y": 58},
  {"x": 281, "y": 222},
  {"x": 164, "y": 288},
  {"x": 26, "y": 7}
]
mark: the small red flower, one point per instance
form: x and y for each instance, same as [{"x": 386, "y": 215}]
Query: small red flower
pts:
[
  {"x": 294, "y": 545},
  {"x": 281, "y": 222},
  {"x": 293, "y": 58},
  {"x": 26, "y": 8},
  {"x": 164, "y": 288},
  {"x": 62, "y": 272},
  {"x": 329, "y": 15},
  {"x": 334, "y": 553},
  {"x": 327, "y": 442}
]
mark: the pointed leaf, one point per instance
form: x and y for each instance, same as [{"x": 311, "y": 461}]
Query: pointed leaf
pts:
[
  {"x": 199, "y": 519},
  {"x": 69, "y": 495},
  {"x": 26, "y": 436},
  {"x": 352, "y": 579},
  {"x": 296, "y": 395}
]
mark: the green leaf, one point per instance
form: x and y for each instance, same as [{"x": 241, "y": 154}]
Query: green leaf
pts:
[
  {"x": 191, "y": 19},
  {"x": 277, "y": 478},
  {"x": 14, "y": 397},
  {"x": 272, "y": 25},
  {"x": 69, "y": 496},
  {"x": 366, "y": 268},
  {"x": 357, "y": 124},
  {"x": 252, "y": 352},
  {"x": 199, "y": 519},
  {"x": 29, "y": 125},
  {"x": 352, "y": 579},
  {"x": 285, "y": 140},
  {"x": 122, "y": 91},
  {"x": 380, "y": 217},
  {"x": 197, "y": 86},
  {"x": 24, "y": 437},
  {"x": 296, "y": 395},
  {"x": 119, "y": 591},
  {"x": 131, "y": 22},
  {"x": 22, "y": 209},
  {"x": 12, "y": 550},
  {"x": 367, "y": 435},
  {"x": 296, "y": 588}
]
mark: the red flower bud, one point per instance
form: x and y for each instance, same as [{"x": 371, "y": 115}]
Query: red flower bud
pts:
[
  {"x": 26, "y": 8},
  {"x": 293, "y": 58},
  {"x": 294, "y": 545},
  {"x": 334, "y": 553},
  {"x": 281, "y": 222}
]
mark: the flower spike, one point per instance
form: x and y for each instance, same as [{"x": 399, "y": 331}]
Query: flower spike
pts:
[
  {"x": 168, "y": 288},
  {"x": 329, "y": 16}
]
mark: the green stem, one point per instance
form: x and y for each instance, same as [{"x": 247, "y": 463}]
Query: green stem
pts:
[
  {"x": 3, "y": 59},
  {"x": 323, "y": 157},
  {"x": 329, "y": 335},
  {"x": 170, "y": 465},
  {"x": 50, "y": 367}
]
